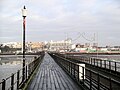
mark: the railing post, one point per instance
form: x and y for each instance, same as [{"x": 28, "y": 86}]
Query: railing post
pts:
[
  {"x": 91, "y": 60},
  {"x": 105, "y": 63},
  {"x": 74, "y": 70},
  {"x": 26, "y": 72},
  {"x": 115, "y": 67},
  {"x": 83, "y": 74},
  {"x": 94, "y": 61},
  {"x": 12, "y": 82},
  {"x": 97, "y": 61},
  {"x": 23, "y": 75},
  {"x": 100, "y": 63},
  {"x": 65, "y": 65},
  {"x": 70, "y": 68},
  {"x": 3, "y": 84},
  {"x": 110, "y": 65},
  {"x": 78, "y": 72},
  {"x": 18, "y": 79}
]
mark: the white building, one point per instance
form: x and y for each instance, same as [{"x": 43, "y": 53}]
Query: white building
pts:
[
  {"x": 13, "y": 44},
  {"x": 73, "y": 46},
  {"x": 60, "y": 45}
]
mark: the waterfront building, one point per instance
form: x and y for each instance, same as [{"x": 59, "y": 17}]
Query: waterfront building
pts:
[
  {"x": 17, "y": 45},
  {"x": 60, "y": 45},
  {"x": 103, "y": 49},
  {"x": 36, "y": 45}
]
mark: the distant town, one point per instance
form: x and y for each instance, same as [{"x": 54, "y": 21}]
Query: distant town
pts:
[{"x": 58, "y": 46}]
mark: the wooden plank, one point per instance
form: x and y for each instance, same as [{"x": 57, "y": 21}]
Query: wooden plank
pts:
[
  {"x": 33, "y": 83},
  {"x": 65, "y": 79},
  {"x": 44, "y": 86},
  {"x": 55, "y": 80},
  {"x": 41, "y": 83},
  {"x": 53, "y": 87},
  {"x": 39, "y": 76},
  {"x": 50, "y": 76},
  {"x": 48, "y": 82},
  {"x": 36, "y": 86}
]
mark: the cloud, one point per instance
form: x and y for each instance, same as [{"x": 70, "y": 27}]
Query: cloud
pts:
[
  {"x": 88, "y": 3},
  {"x": 52, "y": 18}
]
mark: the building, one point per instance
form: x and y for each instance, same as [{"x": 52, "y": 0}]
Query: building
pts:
[
  {"x": 60, "y": 45},
  {"x": 17, "y": 45},
  {"x": 34, "y": 46}
]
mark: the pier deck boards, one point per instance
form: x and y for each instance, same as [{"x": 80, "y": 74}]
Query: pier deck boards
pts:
[{"x": 51, "y": 77}]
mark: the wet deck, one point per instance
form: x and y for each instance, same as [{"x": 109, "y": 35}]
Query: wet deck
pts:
[{"x": 51, "y": 77}]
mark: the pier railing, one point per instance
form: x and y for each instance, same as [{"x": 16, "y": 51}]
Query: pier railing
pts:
[
  {"x": 15, "y": 81},
  {"x": 111, "y": 66},
  {"x": 86, "y": 77}
]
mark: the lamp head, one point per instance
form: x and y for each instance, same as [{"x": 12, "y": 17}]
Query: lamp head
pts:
[{"x": 24, "y": 12}]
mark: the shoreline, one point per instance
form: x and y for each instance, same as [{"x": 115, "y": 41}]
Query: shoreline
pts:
[
  {"x": 95, "y": 53},
  {"x": 20, "y": 53}
]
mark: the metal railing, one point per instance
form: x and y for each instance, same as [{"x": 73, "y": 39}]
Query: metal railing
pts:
[
  {"x": 86, "y": 77},
  {"x": 106, "y": 64},
  {"x": 15, "y": 81}
]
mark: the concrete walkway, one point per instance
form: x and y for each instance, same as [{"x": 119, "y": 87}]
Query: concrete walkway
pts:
[{"x": 51, "y": 77}]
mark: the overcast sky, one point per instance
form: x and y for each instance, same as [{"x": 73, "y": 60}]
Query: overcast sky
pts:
[{"x": 55, "y": 19}]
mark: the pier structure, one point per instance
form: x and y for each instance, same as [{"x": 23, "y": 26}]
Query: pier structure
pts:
[
  {"x": 97, "y": 74},
  {"x": 50, "y": 76},
  {"x": 56, "y": 71}
]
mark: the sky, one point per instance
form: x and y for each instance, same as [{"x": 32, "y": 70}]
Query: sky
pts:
[{"x": 57, "y": 19}]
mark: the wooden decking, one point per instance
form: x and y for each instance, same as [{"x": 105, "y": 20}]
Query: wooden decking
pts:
[{"x": 51, "y": 77}]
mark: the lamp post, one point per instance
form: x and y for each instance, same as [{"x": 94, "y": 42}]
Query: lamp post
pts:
[{"x": 24, "y": 14}]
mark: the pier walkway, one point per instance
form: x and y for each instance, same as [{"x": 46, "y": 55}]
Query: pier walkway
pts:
[{"x": 50, "y": 76}]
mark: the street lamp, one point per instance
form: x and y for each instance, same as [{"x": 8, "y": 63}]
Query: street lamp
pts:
[{"x": 24, "y": 14}]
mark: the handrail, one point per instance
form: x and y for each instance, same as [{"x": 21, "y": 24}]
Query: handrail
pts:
[
  {"x": 92, "y": 79},
  {"x": 106, "y": 64},
  {"x": 15, "y": 79}
]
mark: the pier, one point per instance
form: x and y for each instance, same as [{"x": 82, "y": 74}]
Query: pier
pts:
[
  {"x": 97, "y": 74},
  {"x": 50, "y": 76},
  {"x": 60, "y": 45},
  {"x": 56, "y": 71}
]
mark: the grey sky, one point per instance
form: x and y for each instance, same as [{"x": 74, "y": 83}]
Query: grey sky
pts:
[{"x": 52, "y": 19}]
